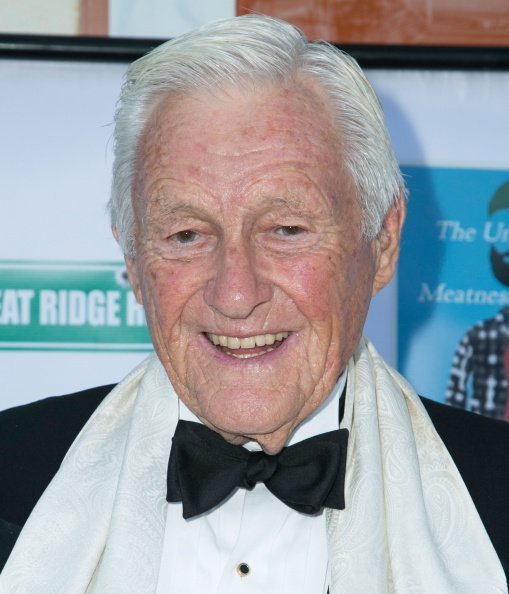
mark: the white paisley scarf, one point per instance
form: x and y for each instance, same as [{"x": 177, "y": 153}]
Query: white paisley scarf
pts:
[{"x": 409, "y": 525}]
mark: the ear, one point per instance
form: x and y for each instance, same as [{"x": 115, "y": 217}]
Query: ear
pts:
[
  {"x": 132, "y": 270},
  {"x": 387, "y": 244}
]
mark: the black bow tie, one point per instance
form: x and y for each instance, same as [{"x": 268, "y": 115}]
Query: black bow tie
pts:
[{"x": 204, "y": 470}]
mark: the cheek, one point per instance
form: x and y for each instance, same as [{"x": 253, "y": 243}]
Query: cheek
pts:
[
  {"x": 357, "y": 286},
  {"x": 331, "y": 289},
  {"x": 315, "y": 284},
  {"x": 167, "y": 289}
]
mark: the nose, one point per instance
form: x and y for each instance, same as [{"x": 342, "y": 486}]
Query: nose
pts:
[{"x": 238, "y": 287}]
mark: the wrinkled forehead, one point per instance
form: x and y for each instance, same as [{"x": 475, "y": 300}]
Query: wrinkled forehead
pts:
[{"x": 240, "y": 129}]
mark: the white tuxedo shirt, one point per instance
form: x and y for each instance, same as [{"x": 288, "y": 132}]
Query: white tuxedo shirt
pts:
[{"x": 277, "y": 545}]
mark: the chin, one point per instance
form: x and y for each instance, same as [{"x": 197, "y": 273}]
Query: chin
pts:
[{"x": 250, "y": 416}]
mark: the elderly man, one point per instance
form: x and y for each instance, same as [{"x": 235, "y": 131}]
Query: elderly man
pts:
[{"x": 259, "y": 207}]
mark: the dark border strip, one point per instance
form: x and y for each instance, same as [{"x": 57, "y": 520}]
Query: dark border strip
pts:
[
  {"x": 56, "y": 47},
  {"x": 110, "y": 49},
  {"x": 430, "y": 57}
]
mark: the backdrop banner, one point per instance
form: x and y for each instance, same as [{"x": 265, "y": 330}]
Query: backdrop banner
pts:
[
  {"x": 69, "y": 306},
  {"x": 454, "y": 287},
  {"x": 65, "y": 310}
]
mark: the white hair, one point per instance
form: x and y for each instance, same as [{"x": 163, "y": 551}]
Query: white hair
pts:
[{"x": 257, "y": 49}]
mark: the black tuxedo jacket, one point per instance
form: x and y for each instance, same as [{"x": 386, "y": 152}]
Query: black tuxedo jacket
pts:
[{"x": 35, "y": 437}]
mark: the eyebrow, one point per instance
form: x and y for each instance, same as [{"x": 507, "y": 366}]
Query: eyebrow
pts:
[
  {"x": 290, "y": 203},
  {"x": 169, "y": 208},
  {"x": 287, "y": 202}
]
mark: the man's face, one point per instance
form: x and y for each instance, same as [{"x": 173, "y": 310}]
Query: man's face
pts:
[{"x": 249, "y": 257}]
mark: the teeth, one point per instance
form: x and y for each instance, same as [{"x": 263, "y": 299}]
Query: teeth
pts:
[
  {"x": 247, "y": 343},
  {"x": 249, "y": 355},
  {"x": 260, "y": 340},
  {"x": 234, "y": 343}
]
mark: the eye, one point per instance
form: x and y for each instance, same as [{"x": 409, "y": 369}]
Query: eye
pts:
[
  {"x": 289, "y": 230},
  {"x": 186, "y": 236}
]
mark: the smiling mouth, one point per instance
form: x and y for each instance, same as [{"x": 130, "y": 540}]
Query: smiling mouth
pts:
[{"x": 248, "y": 347}]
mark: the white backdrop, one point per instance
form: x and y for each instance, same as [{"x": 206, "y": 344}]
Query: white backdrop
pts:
[{"x": 55, "y": 160}]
